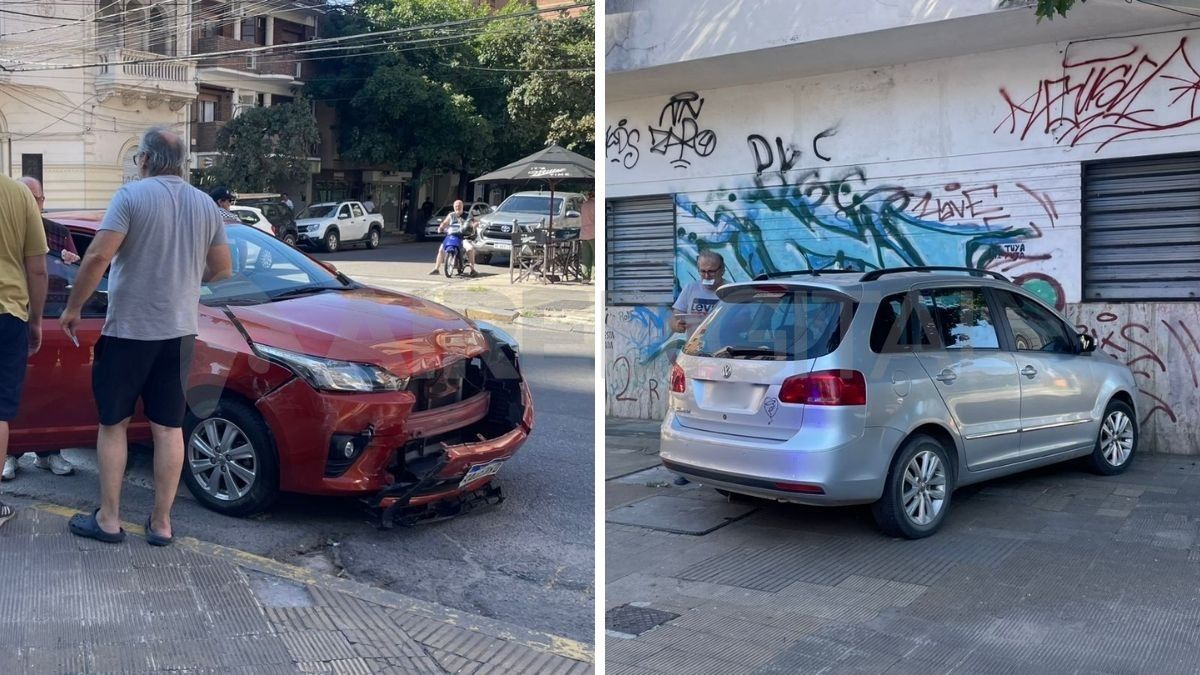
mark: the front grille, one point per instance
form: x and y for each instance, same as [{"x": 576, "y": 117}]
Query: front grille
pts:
[{"x": 447, "y": 386}]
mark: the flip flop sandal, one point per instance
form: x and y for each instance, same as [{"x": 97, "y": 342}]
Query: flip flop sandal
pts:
[
  {"x": 86, "y": 526},
  {"x": 156, "y": 539},
  {"x": 7, "y": 513}
]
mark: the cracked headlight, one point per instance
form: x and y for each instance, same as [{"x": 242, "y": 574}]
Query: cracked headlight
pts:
[{"x": 331, "y": 375}]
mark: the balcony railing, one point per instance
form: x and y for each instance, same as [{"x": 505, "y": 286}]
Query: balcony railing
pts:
[
  {"x": 114, "y": 62},
  {"x": 129, "y": 72}
]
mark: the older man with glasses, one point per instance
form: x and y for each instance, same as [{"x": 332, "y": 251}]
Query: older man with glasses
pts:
[{"x": 699, "y": 297}]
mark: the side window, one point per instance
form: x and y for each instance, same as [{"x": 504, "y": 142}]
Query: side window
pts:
[
  {"x": 901, "y": 327},
  {"x": 344, "y": 213},
  {"x": 358, "y": 212},
  {"x": 963, "y": 319},
  {"x": 248, "y": 217},
  {"x": 60, "y": 277},
  {"x": 1034, "y": 329}
]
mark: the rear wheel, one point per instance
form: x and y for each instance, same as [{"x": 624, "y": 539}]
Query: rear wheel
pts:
[
  {"x": 373, "y": 238},
  {"x": 230, "y": 462},
  {"x": 1117, "y": 440},
  {"x": 332, "y": 241},
  {"x": 917, "y": 493}
]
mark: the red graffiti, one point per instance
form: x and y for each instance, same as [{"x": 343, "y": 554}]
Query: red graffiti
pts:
[
  {"x": 1106, "y": 98},
  {"x": 963, "y": 204}
]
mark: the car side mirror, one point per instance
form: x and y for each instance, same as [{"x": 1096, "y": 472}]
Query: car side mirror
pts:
[
  {"x": 1087, "y": 343},
  {"x": 572, "y": 214},
  {"x": 343, "y": 216}
]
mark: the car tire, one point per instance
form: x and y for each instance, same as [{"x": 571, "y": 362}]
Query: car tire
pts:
[
  {"x": 290, "y": 239},
  {"x": 373, "y": 238},
  {"x": 221, "y": 489},
  {"x": 331, "y": 241},
  {"x": 920, "y": 468},
  {"x": 1116, "y": 442},
  {"x": 483, "y": 258}
]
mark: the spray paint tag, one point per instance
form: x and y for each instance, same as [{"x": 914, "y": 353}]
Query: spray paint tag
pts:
[{"x": 771, "y": 405}]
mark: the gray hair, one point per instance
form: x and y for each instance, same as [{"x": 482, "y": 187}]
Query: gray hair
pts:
[
  {"x": 711, "y": 256},
  {"x": 163, "y": 150}
]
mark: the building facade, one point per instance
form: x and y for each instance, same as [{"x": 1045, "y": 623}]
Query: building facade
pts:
[
  {"x": 1065, "y": 155},
  {"x": 77, "y": 128}
]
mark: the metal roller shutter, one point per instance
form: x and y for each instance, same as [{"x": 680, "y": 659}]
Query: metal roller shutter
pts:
[
  {"x": 640, "y": 239},
  {"x": 1141, "y": 231}
]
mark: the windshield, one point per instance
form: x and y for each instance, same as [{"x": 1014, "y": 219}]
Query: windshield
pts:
[
  {"x": 774, "y": 324},
  {"x": 529, "y": 204},
  {"x": 316, "y": 211},
  {"x": 264, "y": 270}
]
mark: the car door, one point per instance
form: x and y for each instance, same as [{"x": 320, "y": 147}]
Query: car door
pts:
[
  {"x": 345, "y": 222},
  {"x": 1056, "y": 383},
  {"x": 359, "y": 216},
  {"x": 976, "y": 378},
  {"x": 57, "y": 408}
]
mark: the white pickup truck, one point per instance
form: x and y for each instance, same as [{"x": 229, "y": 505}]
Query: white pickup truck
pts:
[{"x": 331, "y": 225}]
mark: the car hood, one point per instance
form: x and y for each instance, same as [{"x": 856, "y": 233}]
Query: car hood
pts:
[
  {"x": 519, "y": 216},
  {"x": 313, "y": 221},
  {"x": 404, "y": 334}
]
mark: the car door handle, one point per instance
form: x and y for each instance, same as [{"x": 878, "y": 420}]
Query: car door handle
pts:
[
  {"x": 947, "y": 376},
  {"x": 1029, "y": 371}
]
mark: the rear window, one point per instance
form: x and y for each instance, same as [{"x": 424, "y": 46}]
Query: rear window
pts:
[{"x": 773, "y": 324}]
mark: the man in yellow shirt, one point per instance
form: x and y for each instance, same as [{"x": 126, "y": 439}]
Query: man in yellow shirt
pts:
[{"x": 22, "y": 295}]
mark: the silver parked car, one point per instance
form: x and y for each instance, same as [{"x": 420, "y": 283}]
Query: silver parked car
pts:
[{"x": 892, "y": 388}]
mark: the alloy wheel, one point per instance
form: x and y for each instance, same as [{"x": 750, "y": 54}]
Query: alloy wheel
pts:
[
  {"x": 924, "y": 491},
  {"x": 1116, "y": 438},
  {"x": 222, "y": 459}
]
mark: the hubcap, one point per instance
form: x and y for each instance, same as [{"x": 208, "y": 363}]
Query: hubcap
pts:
[
  {"x": 924, "y": 487},
  {"x": 1116, "y": 438},
  {"x": 222, "y": 459}
]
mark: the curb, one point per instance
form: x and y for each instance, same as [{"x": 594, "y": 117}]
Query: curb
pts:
[
  {"x": 536, "y": 640},
  {"x": 489, "y": 315}
]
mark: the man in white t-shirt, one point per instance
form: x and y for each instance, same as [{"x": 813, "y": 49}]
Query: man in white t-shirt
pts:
[{"x": 699, "y": 297}]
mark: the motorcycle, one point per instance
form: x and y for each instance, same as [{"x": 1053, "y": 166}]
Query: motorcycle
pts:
[{"x": 453, "y": 247}]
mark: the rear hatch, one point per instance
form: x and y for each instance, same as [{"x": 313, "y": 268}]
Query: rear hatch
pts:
[{"x": 759, "y": 338}]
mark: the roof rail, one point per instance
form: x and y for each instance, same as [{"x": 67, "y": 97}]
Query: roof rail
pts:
[
  {"x": 875, "y": 274},
  {"x": 816, "y": 273}
]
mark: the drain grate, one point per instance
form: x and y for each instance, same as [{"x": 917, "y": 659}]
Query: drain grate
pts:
[{"x": 632, "y": 620}]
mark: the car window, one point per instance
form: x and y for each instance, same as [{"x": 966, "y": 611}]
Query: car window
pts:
[
  {"x": 317, "y": 211},
  {"x": 358, "y": 212},
  {"x": 1035, "y": 329},
  {"x": 344, "y": 213},
  {"x": 60, "y": 278},
  {"x": 963, "y": 319},
  {"x": 901, "y": 326},
  {"x": 248, "y": 217},
  {"x": 787, "y": 325}
]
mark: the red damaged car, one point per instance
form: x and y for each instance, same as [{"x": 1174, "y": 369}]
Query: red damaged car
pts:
[{"x": 306, "y": 381}]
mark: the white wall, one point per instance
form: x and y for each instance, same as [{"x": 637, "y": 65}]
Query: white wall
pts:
[{"x": 969, "y": 160}]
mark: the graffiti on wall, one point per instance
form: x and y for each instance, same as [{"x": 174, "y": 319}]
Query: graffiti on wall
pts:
[
  {"x": 845, "y": 221},
  {"x": 639, "y": 347},
  {"x": 683, "y": 133},
  {"x": 788, "y": 156},
  {"x": 1109, "y": 90},
  {"x": 621, "y": 144}
]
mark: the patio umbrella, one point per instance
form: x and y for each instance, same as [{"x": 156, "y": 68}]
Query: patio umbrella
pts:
[{"x": 552, "y": 164}]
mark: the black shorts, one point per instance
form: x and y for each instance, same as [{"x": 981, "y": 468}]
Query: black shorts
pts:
[
  {"x": 154, "y": 370},
  {"x": 14, "y": 354}
]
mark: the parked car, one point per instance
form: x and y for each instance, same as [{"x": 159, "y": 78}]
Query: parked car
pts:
[
  {"x": 276, "y": 211},
  {"x": 890, "y": 388},
  {"x": 330, "y": 225},
  {"x": 530, "y": 210},
  {"x": 473, "y": 210},
  {"x": 305, "y": 381},
  {"x": 255, "y": 217}
]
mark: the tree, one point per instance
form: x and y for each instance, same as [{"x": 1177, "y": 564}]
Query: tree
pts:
[
  {"x": 264, "y": 148},
  {"x": 549, "y": 68},
  {"x": 1047, "y": 8}
]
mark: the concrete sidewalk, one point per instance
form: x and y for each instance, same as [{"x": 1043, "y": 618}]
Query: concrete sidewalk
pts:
[
  {"x": 73, "y": 605},
  {"x": 1053, "y": 571}
]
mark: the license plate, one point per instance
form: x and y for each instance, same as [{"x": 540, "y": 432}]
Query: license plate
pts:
[
  {"x": 502, "y": 245},
  {"x": 478, "y": 471}
]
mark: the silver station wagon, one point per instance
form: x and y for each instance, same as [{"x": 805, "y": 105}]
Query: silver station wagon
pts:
[{"x": 892, "y": 388}]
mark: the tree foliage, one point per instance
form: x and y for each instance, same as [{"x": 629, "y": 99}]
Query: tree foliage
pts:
[
  {"x": 265, "y": 148},
  {"x": 1046, "y": 9}
]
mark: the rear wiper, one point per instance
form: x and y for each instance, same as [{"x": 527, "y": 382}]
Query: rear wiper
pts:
[{"x": 746, "y": 353}]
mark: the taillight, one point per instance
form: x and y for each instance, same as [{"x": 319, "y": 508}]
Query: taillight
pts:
[
  {"x": 678, "y": 380},
  {"x": 805, "y": 488},
  {"x": 825, "y": 387}
]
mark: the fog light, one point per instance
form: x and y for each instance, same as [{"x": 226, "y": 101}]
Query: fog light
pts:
[{"x": 348, "y": 450}]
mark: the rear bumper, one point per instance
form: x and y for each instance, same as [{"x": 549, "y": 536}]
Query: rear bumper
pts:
[{"x": 849, "y": 473}]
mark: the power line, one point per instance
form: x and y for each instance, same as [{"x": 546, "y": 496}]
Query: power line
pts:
[{"x": 1173, "y": 9}]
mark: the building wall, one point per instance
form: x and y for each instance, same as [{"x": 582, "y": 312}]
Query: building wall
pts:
[{"x": 973, "y": 160}]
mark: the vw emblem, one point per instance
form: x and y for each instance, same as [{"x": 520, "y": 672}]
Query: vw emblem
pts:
[
  {"x": 506, "y": 228},
  {"x": 727, "y": 370}
]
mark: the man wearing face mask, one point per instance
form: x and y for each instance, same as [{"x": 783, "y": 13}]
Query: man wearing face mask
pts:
[{"x": 699, "y": 297}]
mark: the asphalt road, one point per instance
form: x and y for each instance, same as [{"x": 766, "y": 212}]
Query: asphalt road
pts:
[{"x": 528, "y": 561}]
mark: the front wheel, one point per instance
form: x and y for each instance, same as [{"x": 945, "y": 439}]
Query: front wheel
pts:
[
  {"x": 1116, "y": 442},
  {"x": 451, "y": 263},
  {"x": 230, "y": 462},
  {"x": 332, "y": 241},
  {"x": 290, "y": 239},
  {"x": 917, "y": 493}
]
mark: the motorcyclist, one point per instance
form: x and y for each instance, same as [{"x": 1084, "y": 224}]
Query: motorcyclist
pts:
[{"x": 456, "y": 223}]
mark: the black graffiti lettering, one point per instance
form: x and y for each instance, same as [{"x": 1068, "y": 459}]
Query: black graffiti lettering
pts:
[
  {"x": 828, "y": 133},
  {"x": 621, "y": 145},
  {"x": 684, "y": 133}
]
